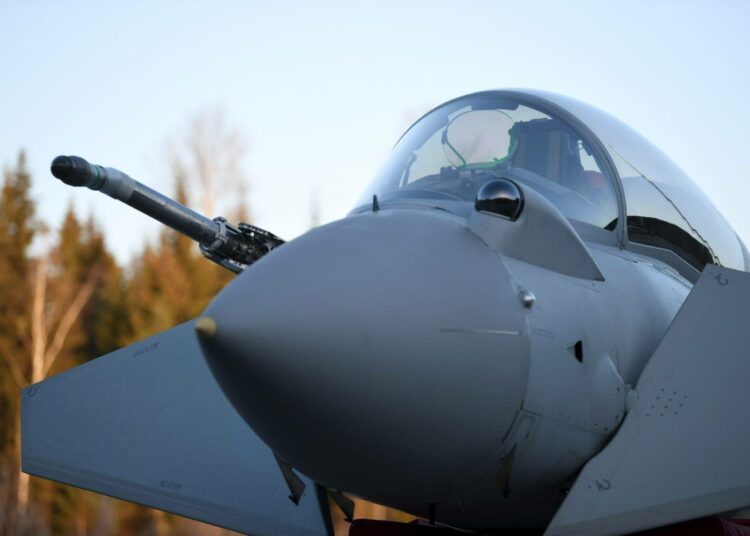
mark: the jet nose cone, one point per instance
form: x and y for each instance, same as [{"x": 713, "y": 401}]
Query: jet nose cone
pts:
[{"x": 385, "y": 352}]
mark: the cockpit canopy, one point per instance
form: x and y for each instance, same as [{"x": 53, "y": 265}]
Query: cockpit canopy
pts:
[
  {"x": 454, "y": 150},
  {"x": 665, "y": 209},
  {"x": 578, "y": 157}
]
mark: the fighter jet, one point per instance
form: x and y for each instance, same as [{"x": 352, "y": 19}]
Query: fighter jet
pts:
[{"x": 532, "y": 320}]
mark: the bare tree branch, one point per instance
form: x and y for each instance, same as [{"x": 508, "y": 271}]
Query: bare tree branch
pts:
[
  {"x": 38, "y": 328},
  {"x": 68, "y": 320},
  {"x": 211, "y": 158}
]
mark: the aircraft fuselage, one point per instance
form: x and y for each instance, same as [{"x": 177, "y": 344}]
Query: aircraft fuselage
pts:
[{"x": 410, "y": 363}]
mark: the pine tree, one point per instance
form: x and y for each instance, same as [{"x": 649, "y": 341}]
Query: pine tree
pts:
[
  {"x": 17, "y": 228},
  {"x": 79, "y": 267},
  {"x": 46, "y": 303},
  {"x": 80, "y": 258}
]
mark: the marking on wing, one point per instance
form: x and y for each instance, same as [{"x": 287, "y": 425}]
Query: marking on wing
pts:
[{"x": 489, "y": 331}]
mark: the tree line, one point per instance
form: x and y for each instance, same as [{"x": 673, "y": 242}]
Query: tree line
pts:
[{"x": 73, "y": 302}]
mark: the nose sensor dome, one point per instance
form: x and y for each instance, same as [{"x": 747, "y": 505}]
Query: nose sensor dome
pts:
[{"x": 501, "y": 197}]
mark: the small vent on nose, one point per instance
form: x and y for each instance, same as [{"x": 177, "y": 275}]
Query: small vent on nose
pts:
[{"x": 577, "y": 350}]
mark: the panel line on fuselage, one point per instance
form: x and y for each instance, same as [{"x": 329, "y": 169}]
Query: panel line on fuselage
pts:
[{"x": 489, "y": 331}]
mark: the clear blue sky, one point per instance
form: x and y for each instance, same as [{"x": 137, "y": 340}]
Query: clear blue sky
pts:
[{"x": 321, "y": 90}]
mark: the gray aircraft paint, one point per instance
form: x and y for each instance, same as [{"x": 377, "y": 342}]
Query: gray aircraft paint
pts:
[
  {"x": 152, "y": 426},
  {"x": 570, "y": 408},
  {"x": 682, "y": 450},
  {"x": 420, "y": 352},
  {"x": 407, "y": 350}
]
